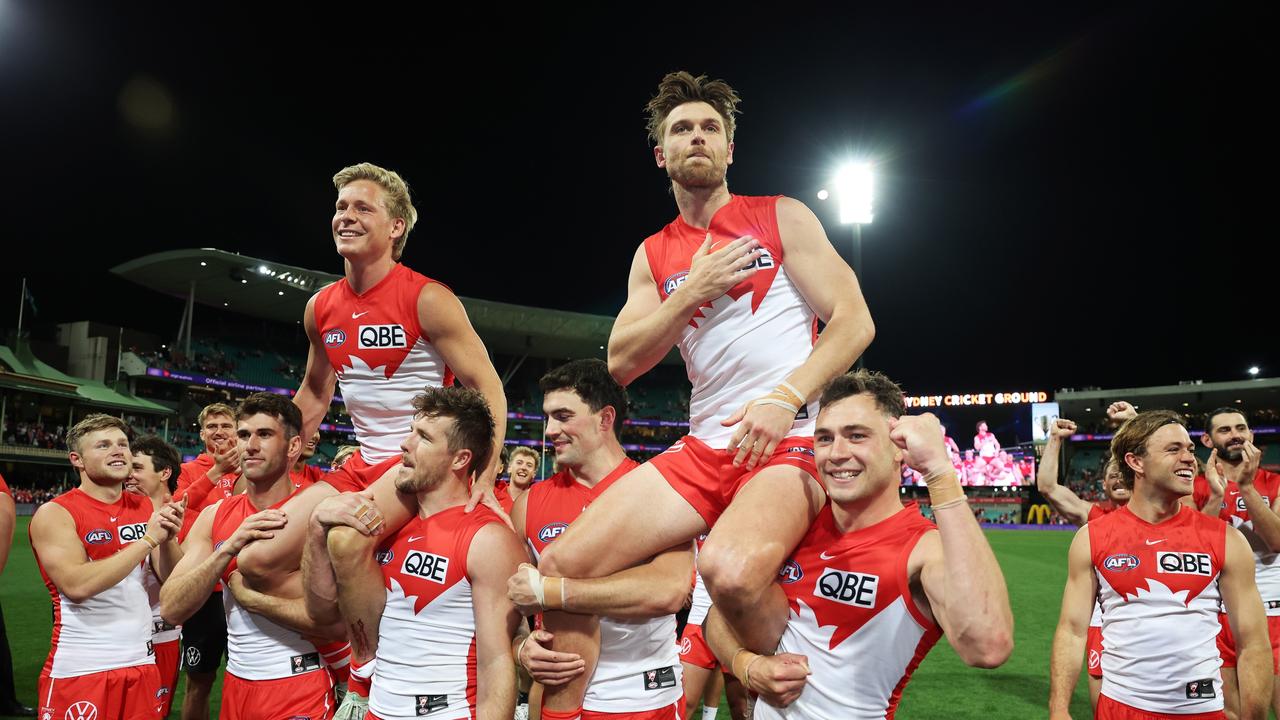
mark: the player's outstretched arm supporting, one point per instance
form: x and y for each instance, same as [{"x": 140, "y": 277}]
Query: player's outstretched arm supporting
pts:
[
  {"x": 494, "y": 555},
  {"x": 656, "y": 588},
  {"x": 443, "y": 318},
  {"x": 316, "y": 391},
  {"x": 62, "y": 555},
  {"x": 647, "y": 327},
  {"x": 1248, "y": 625},
  {"x": 1060, "y": 498},
  {"x": 319, "y": 584},
  {"x": 1073, "y": 627},
  {"x": 778, "y": 679},
  {"x": 191, "y": 582},
  {"x": 289, "y": 612}
]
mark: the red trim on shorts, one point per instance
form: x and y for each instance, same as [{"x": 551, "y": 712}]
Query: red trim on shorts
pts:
[
  {"x": 666, "y": 712},
  {"x": 1109, "y": 709},
  {"x": 693, "y": 648},
  {"x": 1227, "y": 642}
]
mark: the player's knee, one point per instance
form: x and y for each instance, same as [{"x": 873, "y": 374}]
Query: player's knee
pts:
[
  {"x": 734, "y": 574},
  {"x": 348, "y": 546}
]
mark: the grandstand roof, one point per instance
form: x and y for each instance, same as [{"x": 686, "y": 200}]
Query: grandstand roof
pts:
[
  {"x": 1197, "y": 396},
  {"x": 279, "y": 292},
  {"x": 22, "y": 371}
]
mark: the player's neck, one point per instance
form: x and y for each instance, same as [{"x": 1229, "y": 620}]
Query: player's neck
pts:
[
  {"x": 699, "y": 205},
  {"x": 265, "y": 493},
  {"x": 362, "y": 276},
  {"x": 160, "y": 498},
  {"x": 108, "y": 494},
  {"x": 448, "y": 494},
  {"x": 598, "y": 465},
  {"x": 865, "y": 512},
  {"x": 1153, "y": 504}
]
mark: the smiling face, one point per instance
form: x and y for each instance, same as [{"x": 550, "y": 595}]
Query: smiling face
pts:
[
  {"x": 103, "y": 456},
  {"x": 854, "y": 454},
  {"x": 362, "y": 226},
  {"x": 217, "y": 432},
  {"x": 573, "y": 430},
  {"x": 1114, "y": 486},
  {"x": 1228, "y": 433},
  {"x": 695, "y": 150},
  {"x": 143, "y": 478},
  {"x": 523, "y": 468},
  {"x": 1169, "y": 463}
]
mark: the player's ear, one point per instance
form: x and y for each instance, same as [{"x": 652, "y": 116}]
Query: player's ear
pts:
[
  {"x": 76, "y": 461},
  {"x": 462, "y": 459},
  {"x": 397, "y": 228},
  {"x": 728, "y": 160},
  {"x": 608, "y": 416},
  {"x": 1133, "y": 461},
  {"x": 658, "y": 156},
  {"x": 1206, "y": 440}
]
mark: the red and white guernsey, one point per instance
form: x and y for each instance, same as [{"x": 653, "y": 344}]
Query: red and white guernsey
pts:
[
  {"x": 381, "y": 355},
  {"x": 1098, "y": 510},
  {"x": 700, "y": 604},
  {"x": 427, "y": 637},
  {"x": 257, "y": 648},
  {"x": 161, "y": 631},
  {"x": 853, "y": 616},
  {"x": 1266, "y": 564},
  {"x": 742, "y": 344},
  {"x": 639, "y": 667},
  {"x": 1158, "y": 587},
  {"x": 113, "y": 628}
]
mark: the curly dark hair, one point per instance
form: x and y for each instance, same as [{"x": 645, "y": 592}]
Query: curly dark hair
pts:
[
  {"x": 682, "y": 87},
  {"x": 472, "y": 421},
  {"x": 886, "y": 392},
  {"x": 277, "y": 406}
]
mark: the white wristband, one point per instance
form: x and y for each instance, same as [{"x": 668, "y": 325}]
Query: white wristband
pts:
[{"x": 535, "y": 582}]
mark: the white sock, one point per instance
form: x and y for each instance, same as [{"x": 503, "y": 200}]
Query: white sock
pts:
[{"x": 709, "y": 712}]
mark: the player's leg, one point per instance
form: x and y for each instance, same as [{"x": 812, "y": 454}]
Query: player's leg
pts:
[
  {"x": 695, "y": 682},
  {"x": 711, "y": 693},
  {"x": 361, "y": 596},
  {"x": 639, "y": 516},
  {"x": 204, "y": 641},
  {"x": 1095, "y": 689},
  {"x": 271, "y": 565},
  {"x": 740, "y": 559},
  {"x": 741, "y": 705}
]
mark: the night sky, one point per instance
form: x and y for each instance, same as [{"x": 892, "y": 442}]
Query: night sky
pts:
[{"x": 1067, "y": 197}]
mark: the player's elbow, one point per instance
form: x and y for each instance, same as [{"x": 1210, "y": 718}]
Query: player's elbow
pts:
[
  {"x": 621, "y": 367},
  {"x": 349, "y": 547},
  {"x": 988, "y": 651},
  {"x": 76, "y": 592}
]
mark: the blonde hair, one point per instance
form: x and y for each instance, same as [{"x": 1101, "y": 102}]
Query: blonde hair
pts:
[
  {"x": 395, "y": 194},
  {"x": 215, "y": 409},
  {"x": 93, "y": 423},
  {"x": 344, "y": 454}
]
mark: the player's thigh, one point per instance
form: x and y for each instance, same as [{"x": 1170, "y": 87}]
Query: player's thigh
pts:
[
  {"x": 263, "y": 561},
  {"x": 762, "y": 525},
  {"x": 695, "y": 681},
  {"x": 1095, "y": 689},
  {"x": 636, "y": 518}
]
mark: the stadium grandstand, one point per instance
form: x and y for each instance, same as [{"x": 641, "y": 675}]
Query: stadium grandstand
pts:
[{"x": 240, "y": 332}]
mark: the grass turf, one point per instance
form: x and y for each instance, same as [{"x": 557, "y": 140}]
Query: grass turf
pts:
[{"x": 1034, "y": 564}]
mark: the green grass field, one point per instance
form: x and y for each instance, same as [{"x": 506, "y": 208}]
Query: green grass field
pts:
[{"x": 1034, "y": 564}]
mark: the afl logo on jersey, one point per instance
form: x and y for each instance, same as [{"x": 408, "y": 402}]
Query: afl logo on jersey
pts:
[
  {"x": 334, "y": 338},
  {"x": 378, "y": 337},
  {"x": 673, "y": 283},
  {"x": 98, "y": 537},
  {"x": 384, "y": 556},
  {"x": 551, "y": 531},
  {"x": 1120, "y": 563},
  {"x": 790, "y": 572}
]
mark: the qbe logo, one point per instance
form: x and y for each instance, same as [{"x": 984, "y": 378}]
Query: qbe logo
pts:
[
  {"x": 130, "y": 533},
  {"x": 378, "y": 337},
  {"x": 1120, "y": 563},
  {"x": 850, "y": 588},
  {"x": 1184, "y": 563},
  {"x": 551, "y": 531},
  {"x": 673, "y": 282},
  {"x": 425, "y": 565},
  {"x": 334, "y": 338},
  {"x": 101, "y": 536},
  {"x": 790, "y": 572},
  {"x": 384, "y": 556}
]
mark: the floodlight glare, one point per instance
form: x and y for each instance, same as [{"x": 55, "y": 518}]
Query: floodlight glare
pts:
[
  {"x": 1253, "y": 370},
  {"x": 264, "y": 269},
  {"x": 854, "y": 188},
  {"x": 823, "y": 194}
]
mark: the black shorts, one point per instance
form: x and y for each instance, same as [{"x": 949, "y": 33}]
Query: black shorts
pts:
[{"x": 204, "y": 637}]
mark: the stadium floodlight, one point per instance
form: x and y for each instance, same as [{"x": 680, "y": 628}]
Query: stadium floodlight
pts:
[
  {"x": 855, "y": 186},
  {"x": 1254, "y": 371},
  {"x": 823, "y": 194},
  {"x": 264, "y": 269}
]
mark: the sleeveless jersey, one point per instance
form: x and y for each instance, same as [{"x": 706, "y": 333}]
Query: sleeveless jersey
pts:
[
  {"x": 1097, "y": 510},
  {"x": 853, "y": 616},
  {"x": 113, "y": 628},
  {"x": 1266, "y": 564},
  {"x": 1158, "y": 587},
  {"x": 200, "y": 494},
  {"x": 161, "y": 631},
  {"x": 381, "y": 355},
  {"x": 257, "y": 648},
  {"x": 639, "y": 666},
  {"x": 742, "y": 344},
  {"x": 700, "y": 604},
  {"x": 427, "y": 637}
]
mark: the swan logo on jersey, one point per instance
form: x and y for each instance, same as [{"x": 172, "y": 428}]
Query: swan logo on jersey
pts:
[
  {"x": 1120, "y": 563},
  {"x": 83, "y": 710},
  {"x": 425, "y": 565},
  {"x": 98, "y": 537},
  {"x": 129, "y": 533},
  {"x": 380, "y": 337},
  {"x": 1184, "y": 563},
  {"x": 850, "y": 588},
  {"x": 551, "y": 531},
  {"x": 385, "y": 556},
  {"x": 790, "y": 572},
  {"x": 334, "y": 338},
  {"x": 673, "y": 282}
]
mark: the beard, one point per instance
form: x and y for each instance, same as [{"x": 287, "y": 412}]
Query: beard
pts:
[
  {"x": 697, "y": 176},
  {"x": 1233, "y": 456}
]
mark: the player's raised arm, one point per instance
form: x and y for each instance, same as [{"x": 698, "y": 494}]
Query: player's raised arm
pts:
[
  {"x": 1073, "y": 627},
  {"x": 316, "y": 391},
  {"x": 1060, "y": 498}
]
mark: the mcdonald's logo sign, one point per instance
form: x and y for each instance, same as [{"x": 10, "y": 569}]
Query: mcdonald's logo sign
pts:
[{"x": 1038, "y": 514}]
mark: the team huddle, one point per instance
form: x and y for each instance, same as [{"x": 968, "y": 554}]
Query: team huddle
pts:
[{"x": 408, "y": 583}]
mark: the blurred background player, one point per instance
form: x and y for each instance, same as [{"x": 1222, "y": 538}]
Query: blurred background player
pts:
[
  {"x": 522, "y": 469},
  {"x": 9, "y": 704},
  {"x": 303, "y": 473},
  {"x": 873, "y": 584}
]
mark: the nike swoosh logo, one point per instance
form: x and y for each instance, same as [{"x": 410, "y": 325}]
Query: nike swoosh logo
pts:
[
  {"x": 1156, "y": 542},
  {"x": 416, "y": 538},
  {"x": 825, "y": 556},
  {"x": 356, "y": 316}
]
